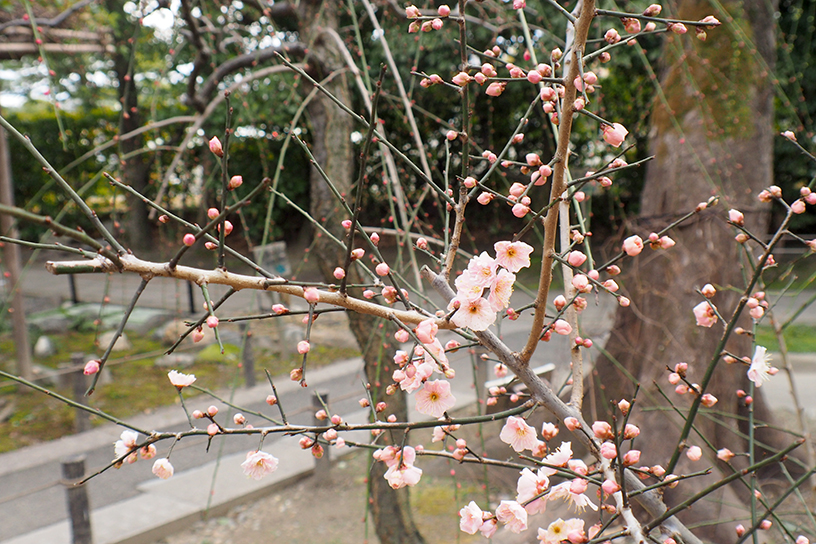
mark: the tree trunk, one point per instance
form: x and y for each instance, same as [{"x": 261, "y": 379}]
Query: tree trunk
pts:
[
  {"x": 331, "y": 130},
  {"x": 711, "y": 136},
  {"x": 135, "y": 170}
]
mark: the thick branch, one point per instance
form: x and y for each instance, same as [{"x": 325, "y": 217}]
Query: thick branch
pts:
[{"x": 132, "y": 264}]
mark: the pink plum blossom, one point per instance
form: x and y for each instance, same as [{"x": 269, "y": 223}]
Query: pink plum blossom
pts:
[
  {"x": 426, "y": 331},
  {"x": 501, "y": 289},
  {"x": 471, "y": 518},
  {"x": 513, "y": 255},
  {"x": 518, "y": 434},
  {"x": 704, "y": 314},
  {"x": 513, "y": 515},
  {"x": 403, "y": 473},
  {"x": 180, "y": 380},
  {"x": 435, "y": 398},
  {"x": 530, "y": 485},
  {"x": 579, "y": 501},
  {"x": 476, "y": 314},
  {"x": 163, "y": 469},
  {"x": 258, "y": 464},
  {"x": 760, "y": 371}
]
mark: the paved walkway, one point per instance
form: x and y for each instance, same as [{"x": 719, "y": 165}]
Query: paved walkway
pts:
[{"x": 132, "y": 506}]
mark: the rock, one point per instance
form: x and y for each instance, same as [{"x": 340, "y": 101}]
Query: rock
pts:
[
  {"x": 175, "y": 360},
  {"x": 44, "y": 347},
  {"x": 123, "y": 344},
  {"x": 170, "y": 332}
]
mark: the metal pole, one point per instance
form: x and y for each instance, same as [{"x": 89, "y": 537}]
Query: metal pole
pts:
[
  {"x": 79, "y": 383},
  {"x": 191, "y": 297},
  {"x": 79, "y": 510},
  {"x": 322, "y": 465},
  {"x": 73, "y": 288},
  {"x": 247, "y": 357}
]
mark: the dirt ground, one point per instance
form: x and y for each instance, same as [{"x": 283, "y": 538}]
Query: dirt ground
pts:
[{"x": 336, "y": 511}]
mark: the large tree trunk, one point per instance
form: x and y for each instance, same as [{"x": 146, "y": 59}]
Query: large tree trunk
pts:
[
  {"x": 711, "y": 136},
  {"x": 331, "y": 146},
  {"x": 135, "y": 169}
]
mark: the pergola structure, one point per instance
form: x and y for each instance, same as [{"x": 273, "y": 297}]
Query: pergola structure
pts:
[
  {"x": 49, "y": 33},
  {"x": 54, "y": 30}
]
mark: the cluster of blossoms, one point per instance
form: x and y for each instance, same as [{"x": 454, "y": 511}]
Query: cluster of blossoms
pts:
[
  {"x": 434, "y": 23},
  {"x": 257, "y": 464},
  {"x": 401, "y": 470},
  {"x": 471, "y": 309}
]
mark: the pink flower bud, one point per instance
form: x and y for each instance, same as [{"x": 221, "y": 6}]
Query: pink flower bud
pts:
[
  {"x": 215, "y": 147},
  {"x": 612, "y": 36},
  {"x": 451, "y": 135},
  {"x": 91, "y": 367},
  {"x": 235, "y": 182},
  {"x": 212, "y": 429},
  {"x": 189, "y": 239},
  {"x": 602, "y": 430},
  {"x": 436, "y": 24},
  {"x": 576, "y": 258},
  {"x": 520, "y": 210},
  {"x": 485, "y": 198},
  {"x": 339, "y": 273},
  {"x": 615, "y": 134},
  {"x": 694, "y": 453},
  {"x": 610, "y": 486},
  {"x": 443, "y": 11},
  {"x": 633, "y": 245},
  {"x": 239, "y": 419},
  {"x": 677, "y": 28},
  {"x": 461, "y": 79},
  {"x": 572, "y": 423},
  {"x": 212, "y": 213},
  {"x": 798, "y": 206},
  {"x": 311, "y": 295},
  {"x": 412, "y": 12},
  {"x": 578, "y": 485},
  {"x": 560, "y": 302},
  {"x": 624, "y": 302},
  {"x": 789, "y": 135},
  {"x": 765, "y": 524},
  {"x": 375, "y": 238},
  {"x": 631, "y": 457},
  {"x": 630, "y": 431},
  {"x": 562, "y": 327},
  {"x": 303, "y": 347},
  {"x": 608, "y": 450},
  {"x": 382, "y": 269},
  {"x": 725, "y": 454},
  {"x": 212, "y": 322}
]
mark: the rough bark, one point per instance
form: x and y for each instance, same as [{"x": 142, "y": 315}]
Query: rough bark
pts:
[
  {"x": 711, "y": 136},
  {"x": 331, "y": 145}
]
